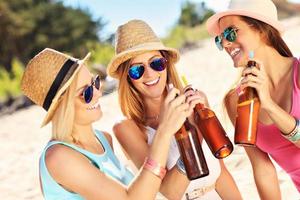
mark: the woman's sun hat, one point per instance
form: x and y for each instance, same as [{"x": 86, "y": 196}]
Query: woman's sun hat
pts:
[
  {"x": 133, "y": 38},
  {"x": 262, "y": 10},
  {"x": 47, "y": 76}
]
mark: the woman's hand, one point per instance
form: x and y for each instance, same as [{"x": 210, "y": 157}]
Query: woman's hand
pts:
[
  {"x": 257, "y": 78},
  {"x": 174, "y": 111},
  {"x": 194, "y": 97}
]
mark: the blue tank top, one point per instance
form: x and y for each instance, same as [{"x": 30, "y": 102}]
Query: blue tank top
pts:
[{"x": 106, "y": 163}]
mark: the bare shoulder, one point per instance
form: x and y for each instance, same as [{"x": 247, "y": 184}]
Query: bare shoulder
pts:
[
  {"x": 126, "y": 127},
  {"x": 61, "y": 161}
]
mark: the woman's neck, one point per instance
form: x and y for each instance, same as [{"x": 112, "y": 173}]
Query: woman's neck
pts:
[
  {"x": 276, "y": 66},
  {"x": 153, "y": 106},
  {"x": 83, "y": 134}
]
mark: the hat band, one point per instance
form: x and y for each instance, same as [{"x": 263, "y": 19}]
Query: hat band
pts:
[{"x": 59, "y": 79}]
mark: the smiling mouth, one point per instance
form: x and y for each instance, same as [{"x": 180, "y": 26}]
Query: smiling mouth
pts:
[
  {"x": 95, "y": 106},
  {"x": 153, "y": 82},
  {"x": 235, "y": 52}
]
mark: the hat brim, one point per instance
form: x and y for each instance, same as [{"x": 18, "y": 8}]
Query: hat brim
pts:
[
  {"x": 212, "y": 23},
  {"x": 117, "y": 60},
  {"x": 55, "y": 100}
]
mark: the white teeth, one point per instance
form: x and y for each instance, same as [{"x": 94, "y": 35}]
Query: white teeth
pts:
[
  {"x": 96, "y": 105},
  {"x": 235, "y": 52},
  {"x": 152, "y": 82}
]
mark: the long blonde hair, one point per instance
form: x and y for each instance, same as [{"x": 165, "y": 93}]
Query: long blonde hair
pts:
[
  {"x": 63, "y": 118},
  {"x": 130, "y": 100}
]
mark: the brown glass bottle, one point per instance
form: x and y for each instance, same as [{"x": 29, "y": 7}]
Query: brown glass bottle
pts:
[
  {"x": 247, "y": 115},
  {"x": 212, "y": 130},
  {"x": 191, "y": 152}
]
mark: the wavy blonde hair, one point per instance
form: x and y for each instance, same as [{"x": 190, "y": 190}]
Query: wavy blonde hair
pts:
[
  {"x": 130, "y": 100},
  {"x": 63, "y": 118}
]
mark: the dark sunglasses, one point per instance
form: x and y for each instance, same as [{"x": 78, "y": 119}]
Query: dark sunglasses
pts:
[
  {"x": 136, "y": 71},
  {"x": 88, "y": 91},
  {"x": 230, "y": 34}
]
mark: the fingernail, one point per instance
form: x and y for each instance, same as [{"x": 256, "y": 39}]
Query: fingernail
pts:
[{"x": 170, "y": 86}]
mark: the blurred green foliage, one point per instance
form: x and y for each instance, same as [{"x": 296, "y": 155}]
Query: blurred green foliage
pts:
[
  {"x": 190, "y": 27},
  {"x": 193, "y": 14},
  {"x": 28, "y": 26},
  {"x": 181, "y": 36},
  {"x": 10, "y": 82},
  {"x": 101, "y": 52}
]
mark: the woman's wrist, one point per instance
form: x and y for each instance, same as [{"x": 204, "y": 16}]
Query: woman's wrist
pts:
[
  {"x": 294, "y": 135},
  {"x": 163, "y": 132},
  {"x": 269, "y": 105},
  {"x": 154, "y": 167}
]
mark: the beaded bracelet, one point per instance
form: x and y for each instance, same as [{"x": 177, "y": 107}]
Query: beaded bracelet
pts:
[
  {"x": 155, "y": 168},
  {"x": 180, "y": 166},
  {"x": 294, "y": 135}
]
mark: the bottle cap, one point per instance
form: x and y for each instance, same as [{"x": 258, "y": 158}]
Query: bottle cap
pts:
[{"x": 251, "y": 54}]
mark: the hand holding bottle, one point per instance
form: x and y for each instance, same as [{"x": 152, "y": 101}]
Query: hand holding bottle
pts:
[
  {"x": 257, "y": 78},
  {"x": 174, "y": 111}
]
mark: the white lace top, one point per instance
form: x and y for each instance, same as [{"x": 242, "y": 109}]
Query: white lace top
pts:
[{"x": 212, "y": 163}]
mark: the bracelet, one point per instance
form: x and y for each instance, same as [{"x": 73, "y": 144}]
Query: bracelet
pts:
[
  {"x": 155, "y": 168},
  {"x": 294, "y": 135},
  {"x": 180, "y": 166}
]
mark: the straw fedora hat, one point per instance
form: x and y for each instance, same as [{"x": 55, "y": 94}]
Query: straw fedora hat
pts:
[
  {"x": 133, "y": 38},
  {"x": 262, "y": 10},
  {"x": 47, "y": 76}
]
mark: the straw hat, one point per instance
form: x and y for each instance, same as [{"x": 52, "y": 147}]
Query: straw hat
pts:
[
  {"x": 134, "y": 38},
  {"x": 47, "y": 76},
  {"x": 262, "y": 10}
]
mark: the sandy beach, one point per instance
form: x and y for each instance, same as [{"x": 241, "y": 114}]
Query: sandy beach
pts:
[{"x": 206, "y": 68}]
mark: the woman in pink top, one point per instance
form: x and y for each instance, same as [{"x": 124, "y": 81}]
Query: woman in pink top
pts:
[{"x": 252, "y": 26}]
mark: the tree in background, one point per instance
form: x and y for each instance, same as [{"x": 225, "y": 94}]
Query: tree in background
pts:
[
  {"x": 193, "y": 14},
  {"x": 28, "y": 26}
]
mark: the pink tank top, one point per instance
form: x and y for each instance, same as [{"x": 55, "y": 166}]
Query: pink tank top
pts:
[{"x": 270, "y": 140}]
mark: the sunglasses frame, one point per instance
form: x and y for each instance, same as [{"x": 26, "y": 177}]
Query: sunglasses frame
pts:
[
  {"x": 227, "y": 32},
  {"x": 88, "y": 92},
  {"x": 140, "y": 68}
]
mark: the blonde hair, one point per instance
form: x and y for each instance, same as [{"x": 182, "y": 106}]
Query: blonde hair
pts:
[
  {"x": 63, "y": 118},
  {"x": 130, "y": 100}
]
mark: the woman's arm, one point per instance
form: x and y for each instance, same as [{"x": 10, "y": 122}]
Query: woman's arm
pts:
[
  {"x": 75, "y": 173},
  {"x": 258, "y": 79},
  {"x": 226, "y": 186},
  {"x": 134, "y": 142},
  {"x": 265, "y": 174}
]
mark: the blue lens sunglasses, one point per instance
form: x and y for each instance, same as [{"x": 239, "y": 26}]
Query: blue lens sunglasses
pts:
[
  {"x": 136, "y": 71},
  {"x": 230, "y": 34},
  {"x": 88, "y": 91}
]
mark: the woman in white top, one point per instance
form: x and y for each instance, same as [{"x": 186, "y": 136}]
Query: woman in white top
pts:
[{"x": 144, "y": 66}]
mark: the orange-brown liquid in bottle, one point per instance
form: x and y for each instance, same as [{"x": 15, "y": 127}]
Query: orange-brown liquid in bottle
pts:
[
  {"x": 247, "y": 116},
  {"x": 213, "y": 132},
  {"x": 191, "y": 152}
]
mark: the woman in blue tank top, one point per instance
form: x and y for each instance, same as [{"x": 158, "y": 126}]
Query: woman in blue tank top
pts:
[{"x": 79, "y": 163}]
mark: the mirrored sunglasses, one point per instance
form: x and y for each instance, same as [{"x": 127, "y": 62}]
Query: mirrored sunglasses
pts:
[
  {"x": 88, "y": 91},
  {"x": 230, "y": 34},
  {"x": 136, "y": 71}
]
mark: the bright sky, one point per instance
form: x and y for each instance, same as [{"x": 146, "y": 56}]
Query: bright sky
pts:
[{"x": 159, "y": 14}]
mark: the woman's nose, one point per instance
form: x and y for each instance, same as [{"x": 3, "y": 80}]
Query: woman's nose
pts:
[
  {"x": 149, "y": 71},
  {"x": 226, "y": 43}
]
